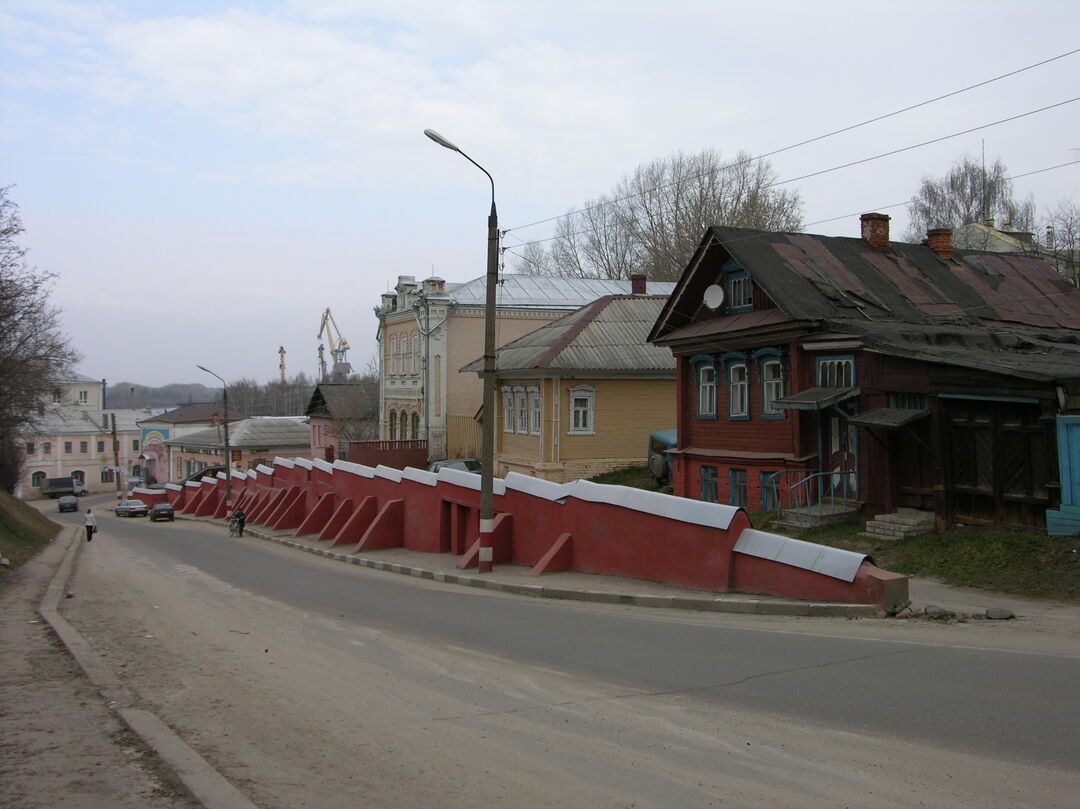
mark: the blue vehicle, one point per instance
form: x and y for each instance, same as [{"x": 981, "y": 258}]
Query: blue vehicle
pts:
[{"x": 659, "y": 462}]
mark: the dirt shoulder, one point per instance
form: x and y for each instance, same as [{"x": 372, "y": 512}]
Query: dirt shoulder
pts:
[{"x": 60, "y": 744}]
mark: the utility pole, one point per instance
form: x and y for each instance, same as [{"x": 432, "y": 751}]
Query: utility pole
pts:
[{"x": 116, "y": 458}]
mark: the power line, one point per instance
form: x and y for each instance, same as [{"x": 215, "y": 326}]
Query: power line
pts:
[
  {"x": 820, "y": 137},
  {"x": 833, "y": 218}
]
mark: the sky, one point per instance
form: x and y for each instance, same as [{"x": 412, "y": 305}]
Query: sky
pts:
[{"x": 205, "y": 179}]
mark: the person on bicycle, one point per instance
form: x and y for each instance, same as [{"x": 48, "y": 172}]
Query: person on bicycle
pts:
[{"x": 239, "y": 520}]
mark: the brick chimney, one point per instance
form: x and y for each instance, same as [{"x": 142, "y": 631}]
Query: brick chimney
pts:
[
  {"x": 875, "y": 229},
  {"x": 940, "y": 241},
  {"x": 637, "y": 284}
]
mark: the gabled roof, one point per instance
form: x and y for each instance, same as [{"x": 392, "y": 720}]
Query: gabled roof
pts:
[
  {"x": 542, "y": 291},
  {"x": 605, "y": 335},
  {"x": 70, "y": 422},
  {"x": 343, "y": 400},
  {"x": 194, "y": 413},
  {"x": 1002, "y": 312},
  {"x": 259, "y": 431}
]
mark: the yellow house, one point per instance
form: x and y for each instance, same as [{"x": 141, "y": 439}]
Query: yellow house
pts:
[{"x": 581, "y": 395}]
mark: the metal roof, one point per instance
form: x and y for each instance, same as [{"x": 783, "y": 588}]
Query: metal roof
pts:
[
  {"x": 258, "y": 431},
  {"x": 1002, "y": 312},
  {"x": 54, "y": 422},
  {"x": 544, "y": 291},
  {"x": 888, "y": 418},
  {"x": 834, "y": 562},
  {"x": 193, "y": 413},
  {"x": 817, "y": 398},
  {"x": 343, "y": 400},
  {"x": 606, "y": 335}
]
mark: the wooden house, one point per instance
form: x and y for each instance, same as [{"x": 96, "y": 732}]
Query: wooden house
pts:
[
  {"x": 867, "y": 375},
  {"x": 581, "y": 395}
]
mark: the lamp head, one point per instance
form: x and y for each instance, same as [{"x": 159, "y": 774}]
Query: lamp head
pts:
[{"x": 439, "y": 139}]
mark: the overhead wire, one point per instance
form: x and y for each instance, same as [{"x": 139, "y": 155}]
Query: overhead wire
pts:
[{"x": 816, "y": 138}]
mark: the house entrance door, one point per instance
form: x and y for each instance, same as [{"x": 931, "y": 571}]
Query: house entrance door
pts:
[{"x": 841, "y": 457}]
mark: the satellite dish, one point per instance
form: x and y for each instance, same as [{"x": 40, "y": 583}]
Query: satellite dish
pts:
[{"x": 714, "y": 296}]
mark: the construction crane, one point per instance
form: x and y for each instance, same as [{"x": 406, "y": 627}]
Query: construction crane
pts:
[{"x": 338, "y": 346}]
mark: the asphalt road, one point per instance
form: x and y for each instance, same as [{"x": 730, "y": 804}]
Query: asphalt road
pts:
[{"x": 1002, "y": 704}]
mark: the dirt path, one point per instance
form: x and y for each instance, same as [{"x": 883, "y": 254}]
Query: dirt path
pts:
[
  {"x": 60, "y": 745},
  {"x": 303, "y": 711}
]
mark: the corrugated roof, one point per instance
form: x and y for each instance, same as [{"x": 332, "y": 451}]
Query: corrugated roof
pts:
[
  {"x": 546, "y": 291},
  {"x": 52, "y": 422},
  {"x": 259, "y": 431},
  {"x": 193, "y": 413},
  {"x": 342, "y": 400},
  {"x": 606, "y": 335}
]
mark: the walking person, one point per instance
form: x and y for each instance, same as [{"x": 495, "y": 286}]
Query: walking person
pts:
[
  {"x": 239, "y": 520},
  {"x": 90, "y": 524}
]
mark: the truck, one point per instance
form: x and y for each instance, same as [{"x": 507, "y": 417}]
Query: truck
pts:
[
  {"x": 658, "y": 459},
  {"x": 55, "y": 487}
]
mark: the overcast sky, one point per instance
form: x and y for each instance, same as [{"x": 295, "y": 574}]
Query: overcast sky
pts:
[{"x": 206, "y": 178}]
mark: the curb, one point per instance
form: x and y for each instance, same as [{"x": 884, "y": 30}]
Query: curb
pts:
[
  {"x": 207, "y": 785},
  {"x": 741, "y": 606}
]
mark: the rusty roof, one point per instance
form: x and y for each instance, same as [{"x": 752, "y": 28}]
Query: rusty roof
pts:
[{"x": 1003, "y": 312}]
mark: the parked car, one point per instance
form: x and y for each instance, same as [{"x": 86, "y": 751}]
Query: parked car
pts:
[
  {"x": 464, "y": 464},
  {"x": 131, "y": 508},
  {"x": 162, "y": 511},
  {"x": 67, "y": 503}
]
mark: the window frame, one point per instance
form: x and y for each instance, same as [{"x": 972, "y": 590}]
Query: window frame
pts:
[
  {"x": 588, "y": 394},
  {"x": 733, "y": 281},
  {"x": 822, "y": 372},
  {"x": 701, "y": 364},
  {"x": 710, "y": 484},
  {"x": 508, "y": 409},
  {"x": 536, "y": 411},
  {"x": 738, "y": 488},
  {"x": 731, "y": 361},
  {"x": 771, "y": 389},
  {"x": 521, "y": 411}
]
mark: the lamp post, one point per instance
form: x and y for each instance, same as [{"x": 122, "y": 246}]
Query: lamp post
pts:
[
  {"x": 487, "y": 447},
  {"x": 228, "y": 455}
]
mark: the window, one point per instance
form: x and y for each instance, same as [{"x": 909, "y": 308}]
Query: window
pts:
[
  {"x": 403, "y": 346},
  {"x": 36, "y": 478},
  {"x": 83, "y": 397},
  {"x": 536, "y": 410},
  {"x": 908, "y": 401},
  {"x": 29, "y": 448},
  {"x": 100, "y": 446},
  {"x": 404, "y": 425},
  {"x": 84, "y": 447},
  {"x": 738, "y": 404},
  {"x": 393, "y": 425},
  {"x": 706, "y": 390},
  {"x": 709, "y": 492},
  {"x": 740, "y": 292},
  {"x": 772, "y": 387},
  {"x": 737, "y": 487},
  {"x": 508, "y": 410},
  {"x": 836, "y": 372},
  {"x": 393, "y": 355},
  {"x": 67, "y": 447},
  {"x": 521, "y": 404},
  {"x": 415, "y": 425},
  {"x": 769, "y": 492},
  {"x": 582, "y": 410},
  {"x": 56, "y": 397},
  {"x": 46, "y": 448},
  {"x": 134, "y": 444},
  {"x": 79, "y": 477},
  {"x": 415, "y": 354},
  {"x": 107, "y": 473}
]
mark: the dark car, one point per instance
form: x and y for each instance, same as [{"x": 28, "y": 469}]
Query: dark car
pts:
[
  {"x": 464, "y": 464},
  {"x": 162, "y": 511},
  {"x": 131, "y": 508},
  {"x": 67, "y": 503}
]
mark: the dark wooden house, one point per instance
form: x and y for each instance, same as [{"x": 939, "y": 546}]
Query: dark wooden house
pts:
[{"x": 871, "y": 374}]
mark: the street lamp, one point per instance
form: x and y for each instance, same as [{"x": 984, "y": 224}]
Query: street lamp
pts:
[
  {"x": 487, "y": 447},
  {"x": 228, "y": 456}
]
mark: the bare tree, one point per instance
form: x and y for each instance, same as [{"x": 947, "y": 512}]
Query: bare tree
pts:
[
  {"x": 969, "y": 193},
  {"x": 1062, "y": 242},
  {"x": 34, "y": 353},
  {"x": 652, "y": 220}
]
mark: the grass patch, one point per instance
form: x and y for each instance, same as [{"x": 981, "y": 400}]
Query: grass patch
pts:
[
  {"x": 23, "y": 530},
  {"x": 637, "y": 477}
]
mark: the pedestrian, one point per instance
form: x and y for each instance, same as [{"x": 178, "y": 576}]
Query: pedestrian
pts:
[
  {"x": 91, "y": 525},
  {"x": 239, "y": 520}
]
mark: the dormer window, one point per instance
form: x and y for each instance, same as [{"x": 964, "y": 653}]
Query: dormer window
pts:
[{"x": 741, "y": 292}]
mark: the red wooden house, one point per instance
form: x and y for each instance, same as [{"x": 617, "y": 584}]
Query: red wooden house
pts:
[{"x": 859, "y": 374}]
